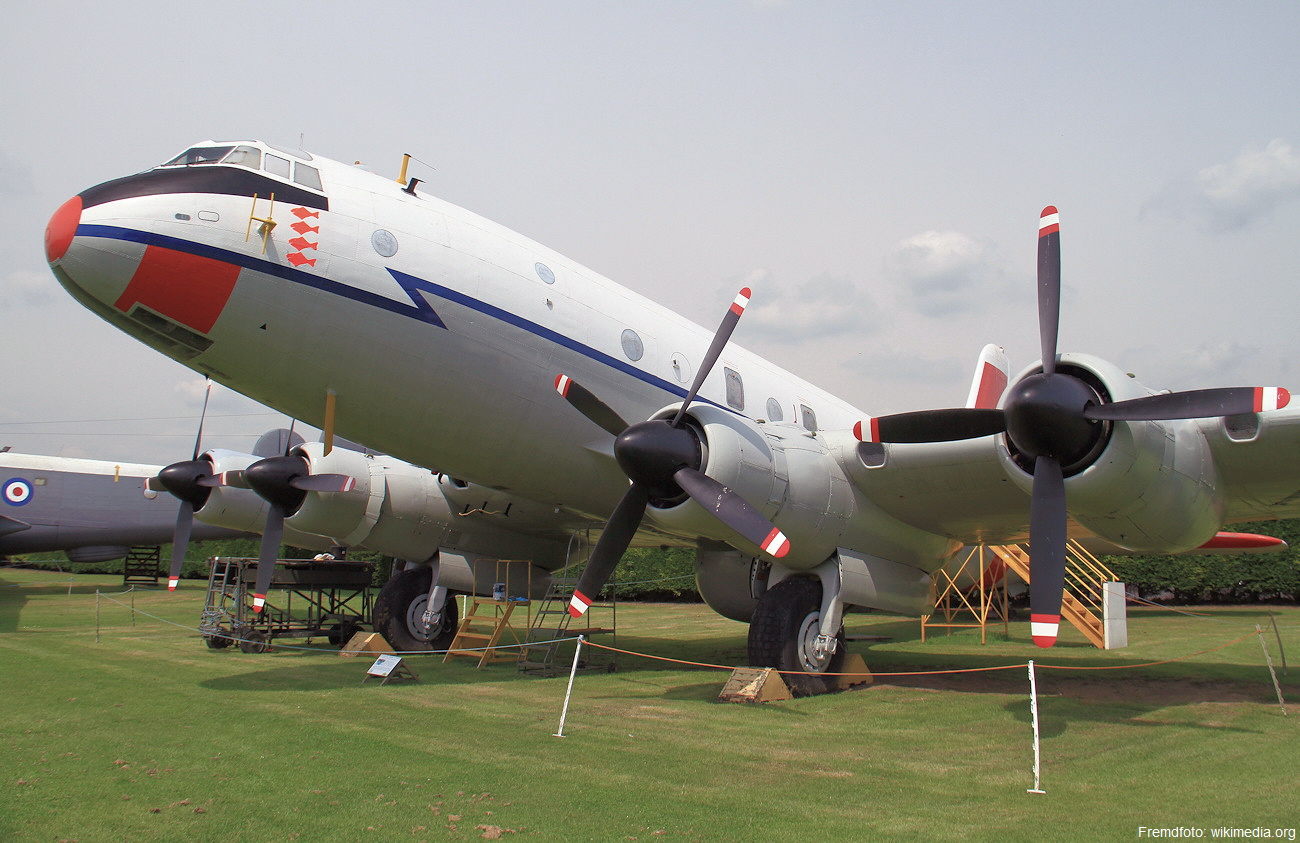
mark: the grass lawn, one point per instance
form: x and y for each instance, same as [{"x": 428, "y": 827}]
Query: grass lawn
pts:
[{"x": 149, "y": 735}]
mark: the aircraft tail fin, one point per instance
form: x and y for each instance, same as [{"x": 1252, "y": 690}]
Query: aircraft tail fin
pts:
[{"x": 990, "y": 381}]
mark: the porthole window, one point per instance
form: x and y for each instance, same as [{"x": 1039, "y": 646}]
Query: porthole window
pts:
[
  {"x": 384, "y": 242},
  {"x": 809, "y": 417},
  {"x": 774, "y": 411},
  {"x": 544, "y": 273},
  {"x": 735, "y": 389},
  {"x": 632, "y": 345}
]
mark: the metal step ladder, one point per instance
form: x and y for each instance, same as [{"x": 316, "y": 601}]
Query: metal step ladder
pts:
[
  {"x": 542, "y": 647},
  {"x": 141, "y": 566}
]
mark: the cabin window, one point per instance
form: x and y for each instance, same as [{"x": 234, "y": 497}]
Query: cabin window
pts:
[
  {"x": 544, "y": 273},
  {"x": 774, "y": 411},
  {"x": 307, "y": 176},
  {"x": 199, "y": 155},
  {"x": 809, "y": 417},
  {"x": 632, "y": 345},
  {"x": 277, "y": 166},
  {"x": 735, "y": 389},
  {"x": 245, "y": 156}
]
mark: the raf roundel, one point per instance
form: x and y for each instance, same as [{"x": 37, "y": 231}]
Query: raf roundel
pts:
[{"x": 18, "y": 492}]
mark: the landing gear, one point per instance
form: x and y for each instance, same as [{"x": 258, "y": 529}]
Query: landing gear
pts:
[
  {"x": 399, "y": 613},
  {"x": 784, "y": 633},
  {"x": 253, "y": 641}
]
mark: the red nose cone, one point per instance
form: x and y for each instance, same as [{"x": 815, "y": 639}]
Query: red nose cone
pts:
[{"x": 63, "y": 225}]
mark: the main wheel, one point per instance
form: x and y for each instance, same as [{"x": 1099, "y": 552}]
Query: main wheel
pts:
[
  {"x": 216, "y": 642},
  {"x": 399, "y": 613},
  {"x": 783, "y": 631}
]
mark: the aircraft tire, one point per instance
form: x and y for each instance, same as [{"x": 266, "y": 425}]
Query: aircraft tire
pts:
[
  {"x": 254, "y": 642},
  {"x": 216, "y": 642},
  {"x": 399, "y": 606},
  {"x": 782, "y": 630}
]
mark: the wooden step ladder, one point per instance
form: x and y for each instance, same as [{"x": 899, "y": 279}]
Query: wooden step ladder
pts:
[
  {"x": 1081, "y": 602},
  {"x": 485, "y": 623}
]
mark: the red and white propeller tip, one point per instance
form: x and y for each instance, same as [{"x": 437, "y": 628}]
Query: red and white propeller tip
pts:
[
  {"x": 1049, "y": 222},
  {"x": 741, "y": 301},
  {"x": 1044, "y": 629},
  {"x": 1271, "y": 398}
]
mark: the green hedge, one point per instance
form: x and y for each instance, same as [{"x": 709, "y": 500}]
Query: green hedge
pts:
[{"x": 1237, "y": 578}]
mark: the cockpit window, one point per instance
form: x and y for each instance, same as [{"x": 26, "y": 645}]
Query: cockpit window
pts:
[
  {"x": 199, "y": 155},
  {"x": 277, "y": 166},
  {"x": 245, "y": 156},
  {"x": 307, "y": 176}
]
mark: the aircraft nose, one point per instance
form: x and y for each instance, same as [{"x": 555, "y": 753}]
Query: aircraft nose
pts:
[{"x": 62, "y": 227}]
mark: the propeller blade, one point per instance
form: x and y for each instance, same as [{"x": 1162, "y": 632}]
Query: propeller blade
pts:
[
  {"x": 609, "y": 549},
  {"x": 155, "y": 484},
  {"x": 198, "y": 438},
  {"x": 180, "y": 540},
  {"x": 1046, "y": 551},
  {"x": 1049, "y": 284},
  {"x": 720, "y": 338},
  {"x": 324, "y": 482},
  {"x": 931, "y": 426},
  {"x": 1193, "y": 404},
  {"x": 272, "y": 535},
  {"x": 733, "y": 510},
  {"x": 585, "y": 401}
]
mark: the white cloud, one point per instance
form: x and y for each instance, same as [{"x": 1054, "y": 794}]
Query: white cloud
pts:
[
  {"x": 1243, "y": 192},
  {"x": 824, "y": 306},
  {"x": 944, "y": 272}
]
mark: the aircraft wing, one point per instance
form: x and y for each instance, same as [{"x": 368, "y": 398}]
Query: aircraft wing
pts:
[{"x": 1165, "y": 486}]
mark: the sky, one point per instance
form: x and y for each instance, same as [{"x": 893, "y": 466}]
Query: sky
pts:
[{"x": 874, "y": 171}]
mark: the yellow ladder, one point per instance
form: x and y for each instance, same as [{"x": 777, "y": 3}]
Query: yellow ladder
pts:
[
  {"x": 1081, "y": 600},
  {"x": 480, "y": 633}
]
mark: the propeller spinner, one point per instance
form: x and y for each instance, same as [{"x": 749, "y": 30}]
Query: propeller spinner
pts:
[
  {"x": 662, "y": 459},
  {"x": 1054, "y": 418}
]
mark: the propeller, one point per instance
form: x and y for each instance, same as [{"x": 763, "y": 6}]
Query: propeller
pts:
[
  {"x": 1055, "y": 419},
  {"x": 283, "y": 482},
  {"x": 185, "y": 481},
  {"x": 662, "y": 460}
]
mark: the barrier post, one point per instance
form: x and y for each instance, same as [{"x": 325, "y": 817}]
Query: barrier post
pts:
[
  {"x": 96, "y": 616},
  {"x": 572, "y": 672},
  {"x": 1033, "y": 711},
  {"x": 1271, "y": 671}
]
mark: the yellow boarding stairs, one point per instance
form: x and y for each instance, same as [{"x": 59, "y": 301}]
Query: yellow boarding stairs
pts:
[{"x": 1081, "y": 603}]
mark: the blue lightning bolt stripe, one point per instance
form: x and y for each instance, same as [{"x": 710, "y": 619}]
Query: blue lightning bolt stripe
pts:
[{"x": 419, "y": 308}]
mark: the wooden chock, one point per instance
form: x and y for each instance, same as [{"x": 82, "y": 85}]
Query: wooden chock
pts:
[{"x": 755, "y": 685}]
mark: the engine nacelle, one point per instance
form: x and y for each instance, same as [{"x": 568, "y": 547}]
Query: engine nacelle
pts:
[
  {"x": 411, "y": 513},
  {"x": 1146, "y": 485},
  {"x": 783, "y": 470},
  {"x": 228, "y": 506},
  {"x": 729, "y": 580},
  {"x": 394, "y": 507}
]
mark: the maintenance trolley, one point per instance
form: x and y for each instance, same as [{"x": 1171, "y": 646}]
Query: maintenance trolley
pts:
[{"x": 308, "y": 598}]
